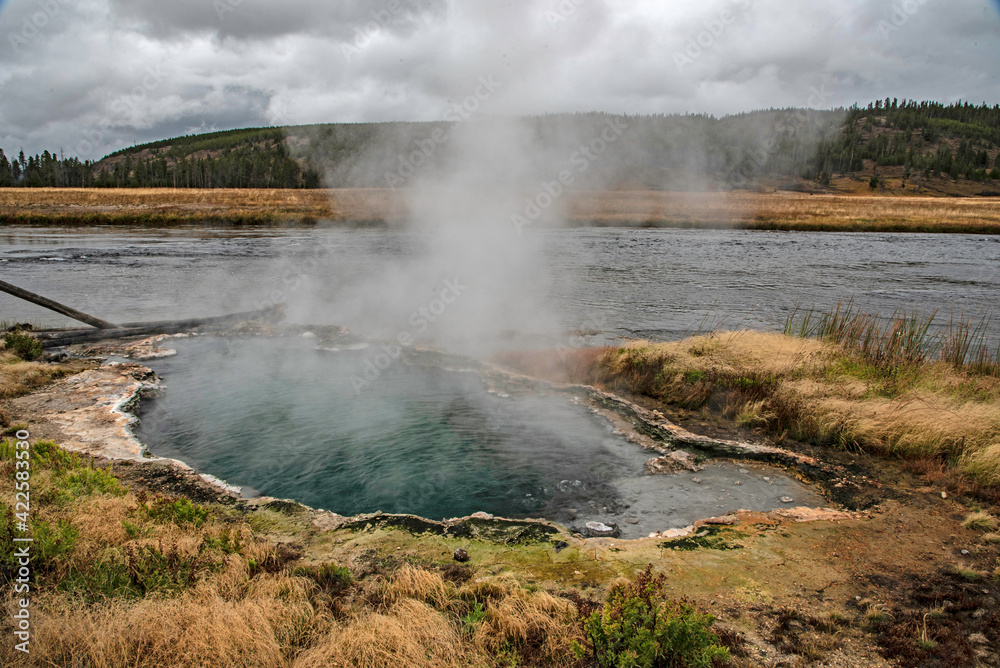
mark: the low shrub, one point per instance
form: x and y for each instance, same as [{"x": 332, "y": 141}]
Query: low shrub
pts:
[
  {"x": 178, "y": 511},
  {"x": 639, "y": 627},
  {"x": 25, "y": 346}
]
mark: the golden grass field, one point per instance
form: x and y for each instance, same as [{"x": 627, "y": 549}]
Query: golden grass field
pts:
[
  {"x": 745, "y": 210},
  {"x": 789, "y": 211}
]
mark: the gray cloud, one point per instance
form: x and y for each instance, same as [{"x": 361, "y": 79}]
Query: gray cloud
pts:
[{"x": 103, "y": 74}]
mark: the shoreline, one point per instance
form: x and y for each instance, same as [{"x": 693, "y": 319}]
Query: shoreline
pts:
[
  {"x": 103, "y": 400},
  {"x": 773, "y": 211}
]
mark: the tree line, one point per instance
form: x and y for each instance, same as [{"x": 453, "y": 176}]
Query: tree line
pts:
[
  {"x": 242, "y": 166},
  {"x": 959, "y": 140}
]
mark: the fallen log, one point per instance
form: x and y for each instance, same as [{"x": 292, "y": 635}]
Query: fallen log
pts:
[
  {"x": 56, "y": 306},
  {"x": 55, "y": 339}
]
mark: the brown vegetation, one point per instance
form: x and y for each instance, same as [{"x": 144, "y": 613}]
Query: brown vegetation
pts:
[
  {"x": 643, "y": 208},
  {"x": 167, "y": 206},
  {"x": 814, "y": 391},
  {"x": 788, "y": 211}
]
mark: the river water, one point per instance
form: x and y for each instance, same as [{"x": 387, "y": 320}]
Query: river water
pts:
[{"x": 657, "y": 284}]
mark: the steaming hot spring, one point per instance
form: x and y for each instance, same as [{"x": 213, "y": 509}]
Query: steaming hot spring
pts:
[{"x": 424, "y": 434}]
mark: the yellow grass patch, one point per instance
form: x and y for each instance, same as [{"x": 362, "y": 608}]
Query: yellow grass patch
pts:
[
  {"x": 788, "y": 211},
  {"x": 777, "y": 210},
  {"x": 411, "y": 633},
  {"x": 18, "y": 378},
  {"x": 169, "y": 205}
]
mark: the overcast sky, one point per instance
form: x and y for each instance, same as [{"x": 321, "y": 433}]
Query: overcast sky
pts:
[{"x": 90, "y": 76}]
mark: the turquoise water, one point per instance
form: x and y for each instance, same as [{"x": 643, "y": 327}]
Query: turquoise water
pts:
[{"x": 281, "y": 418}]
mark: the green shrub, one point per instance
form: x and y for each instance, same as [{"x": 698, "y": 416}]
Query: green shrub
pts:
[
  {"x": 82, "y": 482},
  {"x": 134, "y": 531},
  {"x": 136, "y": 572},
  {"x": 51, "y": 542},
  {"x": 44, "y": 455},
  {"x": 473, "y": 618},
  {"x": 638, "y": 627},
  {"x": 25, "y": 346},
  {"x": 227, "y": 542},
  {"x": 179, "y": 511},
  {"x": 696, "y": 376}
]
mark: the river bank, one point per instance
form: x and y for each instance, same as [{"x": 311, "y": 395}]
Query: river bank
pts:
[{"x": 778, "y": 210}]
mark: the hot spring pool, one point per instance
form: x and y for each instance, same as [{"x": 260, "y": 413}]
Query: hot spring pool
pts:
[{"x": 280, "y": 417}]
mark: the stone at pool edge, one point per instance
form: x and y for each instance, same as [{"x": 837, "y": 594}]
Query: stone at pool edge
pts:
[{"x": 601, "y": 530}]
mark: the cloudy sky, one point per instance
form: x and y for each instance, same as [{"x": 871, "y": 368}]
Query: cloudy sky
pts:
[{"x": 90, "y": 76}]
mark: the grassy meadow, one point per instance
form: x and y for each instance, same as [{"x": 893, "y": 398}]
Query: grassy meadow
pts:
[
  {"x": 786, "y": 211},
  {"x": 632, "y": 208},
  {"x": 167, "y": 206}
]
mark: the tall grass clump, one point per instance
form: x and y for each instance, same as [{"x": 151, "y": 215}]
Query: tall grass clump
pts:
[
  {"x": 902, "y": 340},
  {"x": 905, "y": 339}
]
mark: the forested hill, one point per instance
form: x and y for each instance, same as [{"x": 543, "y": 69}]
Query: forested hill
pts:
[{"x": 885, "y": 144}]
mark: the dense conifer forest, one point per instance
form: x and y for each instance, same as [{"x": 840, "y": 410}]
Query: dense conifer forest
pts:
[{"x": 926, "y": 139}]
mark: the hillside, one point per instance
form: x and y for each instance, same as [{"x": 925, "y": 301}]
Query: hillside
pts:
[{"x": 889, "y": 147}]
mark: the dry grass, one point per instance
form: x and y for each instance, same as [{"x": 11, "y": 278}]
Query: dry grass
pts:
[
  {"x": 242, "y": 602},
  {"x": 18, "y": 377},
  {"x": 745, "y": 210},
  {"x": 814, "y": 391},
  {"x": 411, "y": 633},
  {"x": 980, "y": 521},
  {"x": 535, "y": 626},
  {"x": 789, "y": 211},
  {"x": 200, "y": 628},
  {"x": 166, "y": 206}
]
